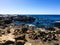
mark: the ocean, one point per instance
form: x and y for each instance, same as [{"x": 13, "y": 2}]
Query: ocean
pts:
[{"x": 43, "y": 20}]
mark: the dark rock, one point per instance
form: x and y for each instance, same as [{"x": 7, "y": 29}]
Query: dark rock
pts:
[
  {"x": 7, "y": 21},
  {"x": 51, "y": 28},
  {"x": 45, "y": 39},
  {"x": 56, "y": 44},
  {"x": 19, "y": 43},
  {"x": 24, "y": 18},
  {"x": 24, "y": 30},
  {"x": 8, "y": 42}
]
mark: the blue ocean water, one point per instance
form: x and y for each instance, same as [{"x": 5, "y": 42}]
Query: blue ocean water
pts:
[
  {"x": 51, "y": 17},
  {"x": 44, "y": 20}
]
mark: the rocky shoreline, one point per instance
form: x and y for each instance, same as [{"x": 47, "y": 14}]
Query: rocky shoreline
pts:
[{"x": 23, "y": 34}]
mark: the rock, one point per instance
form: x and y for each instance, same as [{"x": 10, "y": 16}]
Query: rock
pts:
[
  {"x": 24, "y": 18},
  {"x": 27, "y": 43},
  {"x": 56, "y": 44}
]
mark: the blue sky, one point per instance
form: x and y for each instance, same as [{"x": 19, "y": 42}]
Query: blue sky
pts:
[{"x": 29, "y": 6}]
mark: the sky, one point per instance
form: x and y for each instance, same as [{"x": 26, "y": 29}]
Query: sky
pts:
[{"x": 29, "y": 6}]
